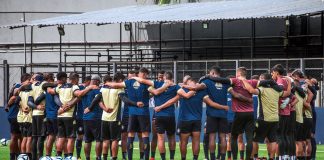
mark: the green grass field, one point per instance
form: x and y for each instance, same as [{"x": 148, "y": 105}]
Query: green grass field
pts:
[{"x": 4, "y": 152}]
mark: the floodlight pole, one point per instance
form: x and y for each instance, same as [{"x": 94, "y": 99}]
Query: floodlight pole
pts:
[
  {"x": 252, "y": 43},
  {"x": 85, "y": 47},
  {"x": 25, "y": 52},
  {"x": 120, "y": 41},
  {"x": 160, "y": 41},
  {"x": 31, "y": 47},
  {"x": 222, "y": 37}
]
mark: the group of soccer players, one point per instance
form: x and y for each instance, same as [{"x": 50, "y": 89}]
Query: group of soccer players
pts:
[{"x": 67, "y": 113}]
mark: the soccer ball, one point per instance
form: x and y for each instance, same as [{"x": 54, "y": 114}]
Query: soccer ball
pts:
[
  {"x": 4, "y": 142},
  {"x": 58, "y": 158},
  {"x": 23, "y": 157},
  {"x": 46, "y": 158}
]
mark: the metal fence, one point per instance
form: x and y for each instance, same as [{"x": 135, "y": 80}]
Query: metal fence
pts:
[{"x": 313, "y": 67}]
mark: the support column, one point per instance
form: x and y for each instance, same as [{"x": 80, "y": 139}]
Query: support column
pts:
[{"x": 6, "y": 77}]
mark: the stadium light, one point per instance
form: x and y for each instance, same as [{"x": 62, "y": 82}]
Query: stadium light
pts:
[
  {"x": 127, "y": 26},
  {"x": 205, "y": 25},
  {"x": 61, "y": 31}
]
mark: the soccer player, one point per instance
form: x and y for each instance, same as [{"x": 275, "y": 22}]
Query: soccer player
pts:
[
  {"x": 38, "y": 125},
  {"x": 284, "y": 138},
  {"x": 79, "y": 119},
  {"x": 244, "y": 116},
  {"x": 91, "y": 119},
  {"x": 268, "y": 115},
  {"x": 67, "y": 92},
  {"x": 163, "y": 91},
  {"x": 24, "y": 117},
  {"x": 13, "y": 108},
  {"x": 139, "y": 117},
  {"x": 316, "y": 88}
]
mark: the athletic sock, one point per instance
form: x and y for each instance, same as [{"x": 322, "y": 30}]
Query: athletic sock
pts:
[
  {"x": 255, "y": 155},
  {"x": 195, "y": 157},
  {"x": 65, "y": 155},
  {"x": 124, "y": 154},
  {"x": 183, "y": 158},
  {"x": 114, "y": 158},
  {"x": 222, "y": 156},
  {"x": 162, "y": 156},
  {"x": 172, "y": 152},
  {"x": 40, "y": 146},
  {"x": 300, "y": 157},
  {"x": 59, "y": 153},
  {"x": 141, "y": 155},
  {"x": 98, "y": 158},
  {"x": 78, "y": 147},
  {"x": 105, "y": 156},
  {"x": 34, "y": 148},
  {"x": 212, "y": 156},
  {"x": 12, "y": 156},
  {"x": 152, "y": 154},
  {"x": 242, "y": 154},
  {"x": 87, "y": 158},
  {"x": 70, "y": 154},
  {"x": 130, "y": 141},
  {"x": 229, "y": 154},
  {"x": 146, "y": 142},
  {"x": 308, "y": 157},
  {"x": 29, "y": 155},
  {"x": 218, "y": 150},
  {"x": 206, "y": 145}
]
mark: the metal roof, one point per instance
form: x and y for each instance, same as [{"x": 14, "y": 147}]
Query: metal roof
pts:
[{"x": 227, "y": 9}]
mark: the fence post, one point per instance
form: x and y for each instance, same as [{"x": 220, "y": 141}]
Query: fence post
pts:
[
  {"x": 302, "y": 65},
  {"x": 175, "y": 73},
  {"x": 5, "y": 82},
  {"x": 237, "y": 64},
  {"x": 59, "y": 67},
  {"x": 114, "y": 68}
]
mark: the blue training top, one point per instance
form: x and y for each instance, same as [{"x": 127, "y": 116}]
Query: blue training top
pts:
[
  {"x": 96, "y": 113},
  {"x": 14, "y": 108}
]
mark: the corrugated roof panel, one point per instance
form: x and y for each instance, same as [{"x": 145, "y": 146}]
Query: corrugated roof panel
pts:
[{"x": 232, "y": 9}]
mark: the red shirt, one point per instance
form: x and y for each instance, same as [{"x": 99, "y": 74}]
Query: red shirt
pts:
[
  {"x": 293, "y": 98},
  {"x": 286, "y": 111},
  {"x": 238, "y": 86}
]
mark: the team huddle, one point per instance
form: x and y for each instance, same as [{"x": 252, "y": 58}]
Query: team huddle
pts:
[{"x": 43, "y": 112}]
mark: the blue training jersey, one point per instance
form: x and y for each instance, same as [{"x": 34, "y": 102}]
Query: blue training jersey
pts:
[
  {"x": 230, "y": 113},
  {"x": 14, "y": 108},
  {"x": 96, "y": 113},
  {"x": 138, "y": 92},
  {"x": 125, "y": 109},
  {"x": 255, "y": 105},
  {"x": 168, "y": 94},
  {"x": 79, "y": 109},
  {"x": 217, "y": 92},
  {"x": 191, "y": 109},
  {"x": 50, "y": 106}
]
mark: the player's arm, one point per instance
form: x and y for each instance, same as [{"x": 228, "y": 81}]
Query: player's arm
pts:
[
  {"x": 49, "y": 87},
  {"x": 94, "y": 103},
  {"x": 71, "y": 103},
  {"x": 40, "y": 98},
  {"x": 294, "y": 100},
  {"x": 116, "y": 85},
  {"x": 144, "y": 81},
  {"x": 300, "y": 91},
  {"x": 211, "y": 103},
  {"x": 197, "y": 87},
  {"x": 186, "y": 95},
  {"x": 81, "y": 93},
  {"x": 239, "y": 96},
  {"x": 32, "y": 105},
  {"x": 167, "y": 103},
  {"x": 160, "y": 90},
  {"x": 288, "y": 91},
  {"x": 123, "y": 97},
  {"x": 249, "y": 88},
  {"x": 11, "y": 101},
  {"x": 220, "y": 80},
  {"x": 21, "y": 88},
  {"x": 309, "y": 99}
]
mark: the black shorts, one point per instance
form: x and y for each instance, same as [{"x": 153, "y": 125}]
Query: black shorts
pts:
[
  {"x": 216, "y": 124},
  {"x": 243, "y": 121},
  {"x": 25, "y": 129},
  {"x": 165, "y": 124},
  {"x": 66, "y": 127},
  {"x": 124, "y": 124},
  {"x": 292, "y": 123},
  {"x": 14, "y": 126},
  {"x": 38, "y": 125},
  {"x": 300, "y": 134},
  {"x": 308, "y": 127},
  {"x": 110, "y": 130},
  {"x": 92, "y": 130},
  {"x": 51, "y": 127},
  {"x": 139, "y": 123},
  {"x": 264, "y": 130},
  {"x": 229, "y": 126},
  {"x": 79, "y": 127},
  {"x": 189, "y": 126}
]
